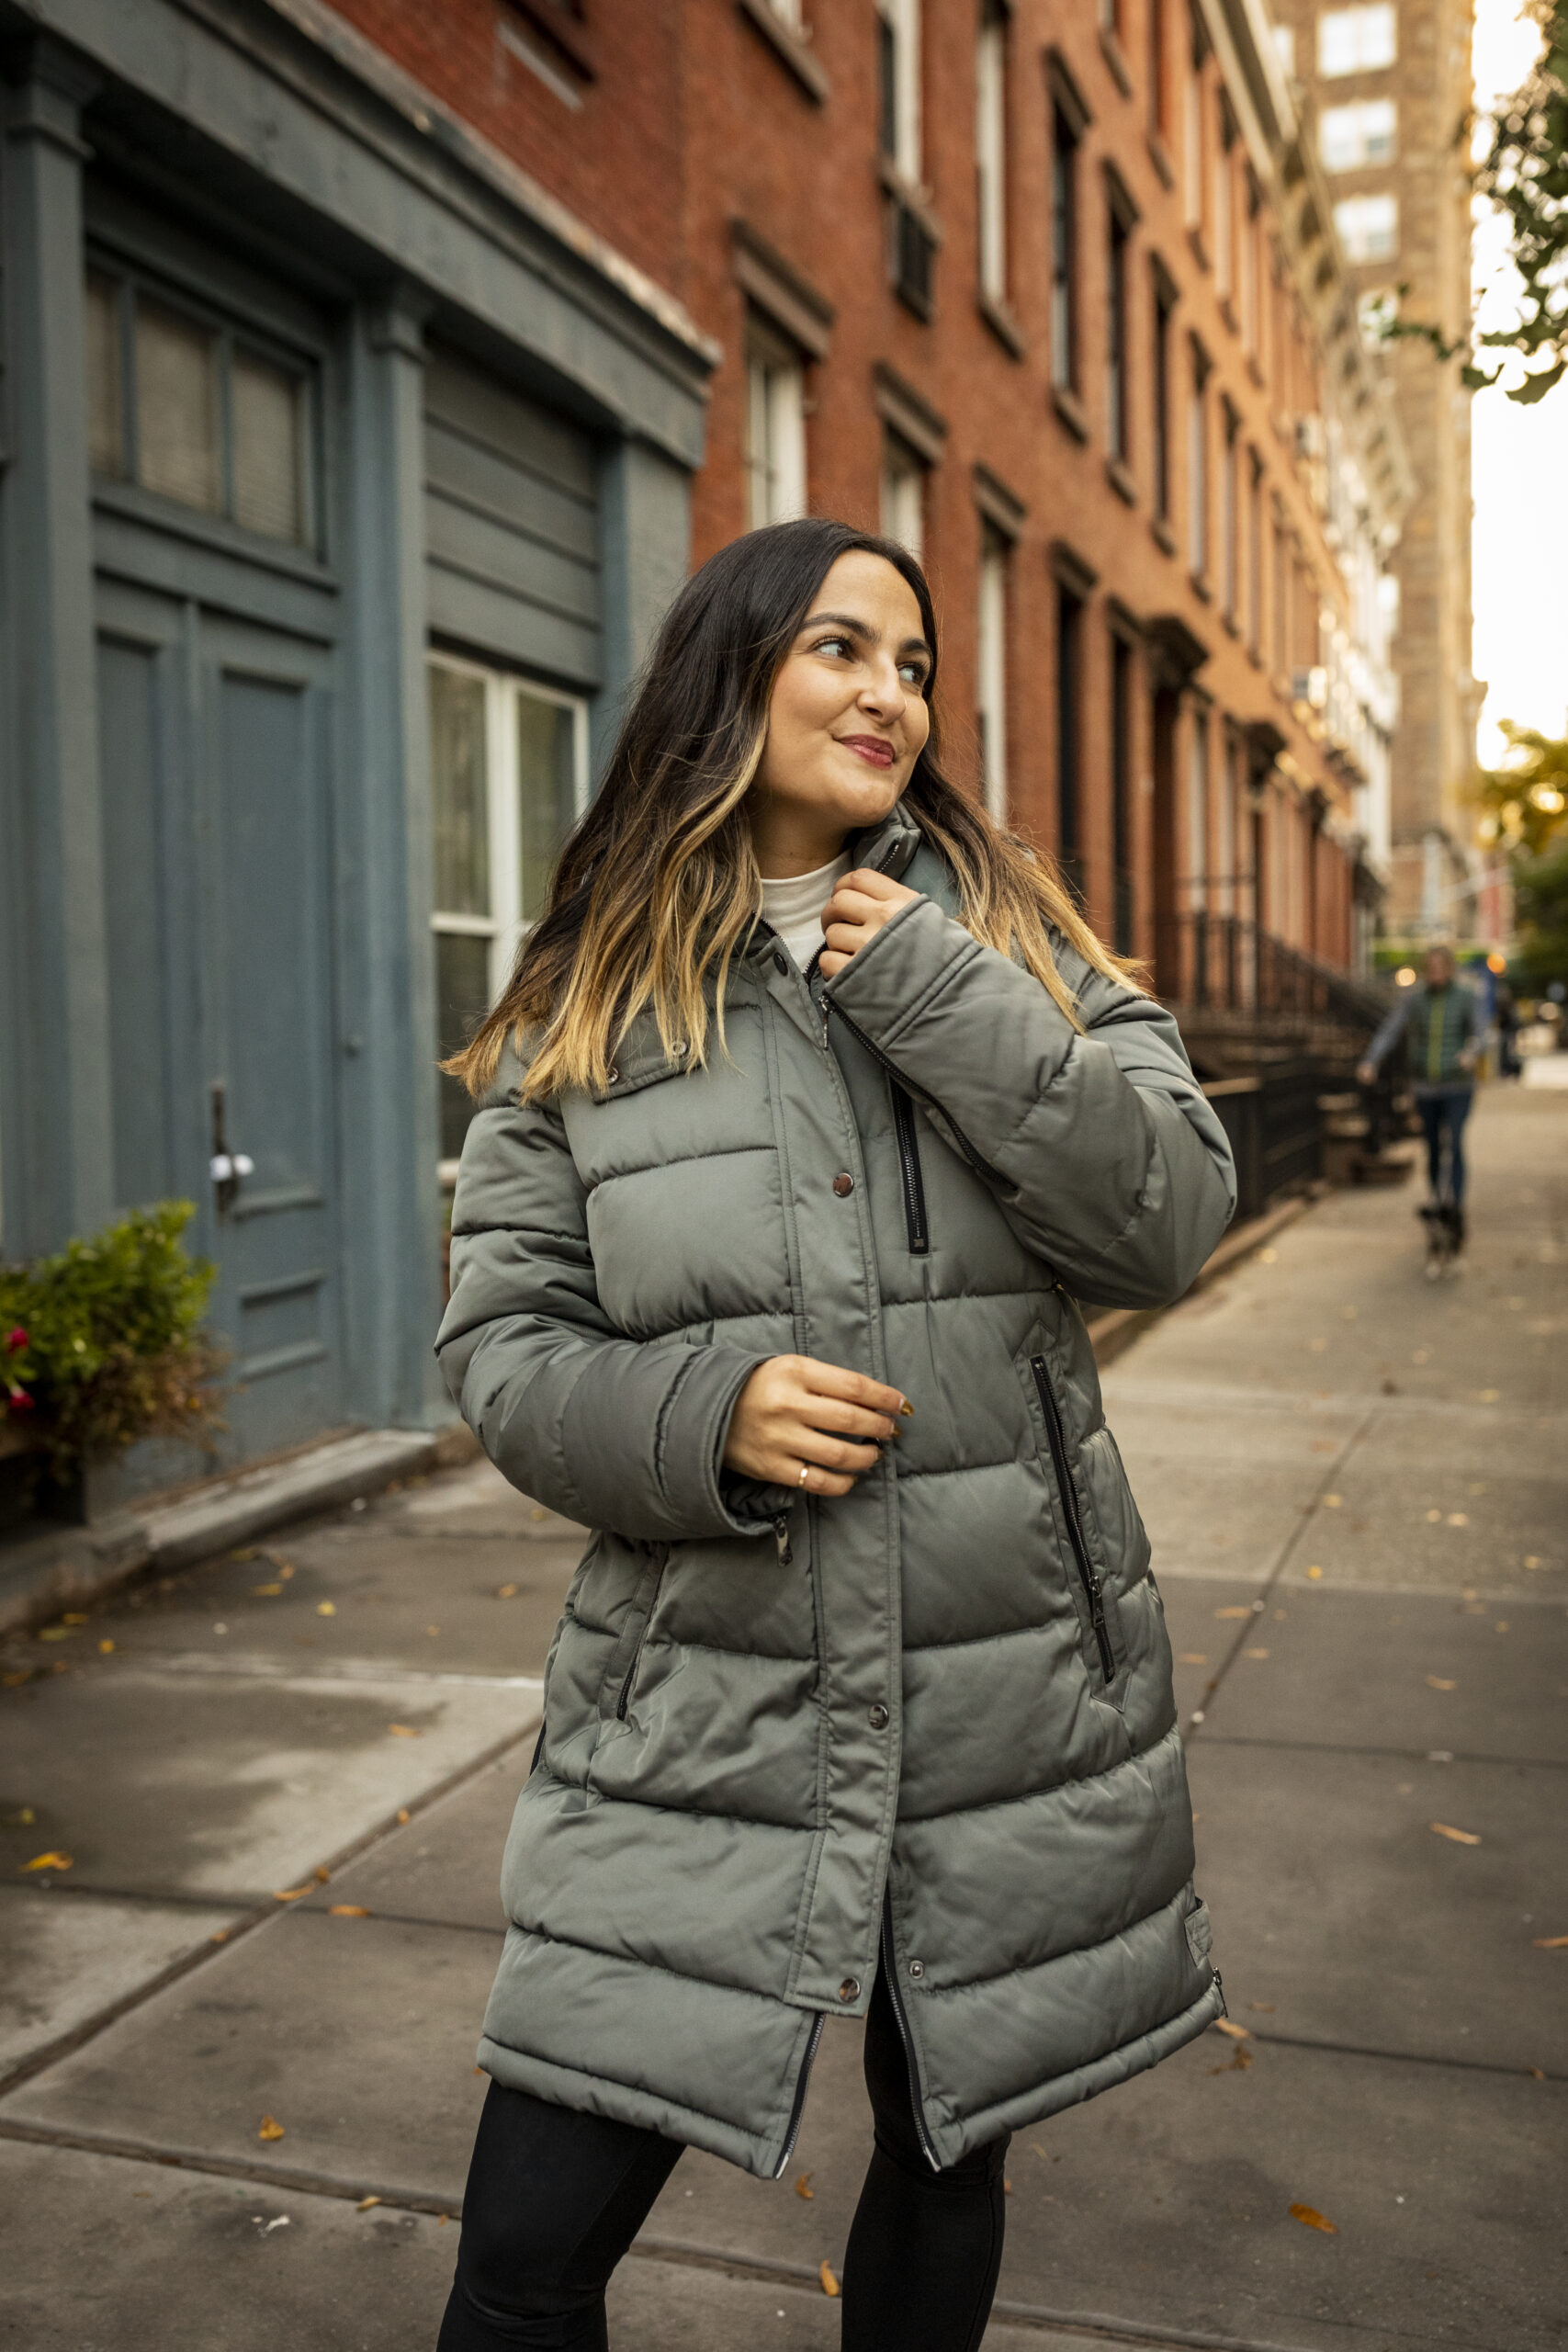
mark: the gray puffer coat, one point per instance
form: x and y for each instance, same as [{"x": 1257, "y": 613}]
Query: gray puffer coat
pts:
[{"x": 926, "y": 1727}]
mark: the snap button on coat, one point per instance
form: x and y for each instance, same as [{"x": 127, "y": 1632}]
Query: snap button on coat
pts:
[
  {"x": 877, "y": 1716},
  {"x": 843, "y": 1183},
  {"x": 717, "y": 1842}
]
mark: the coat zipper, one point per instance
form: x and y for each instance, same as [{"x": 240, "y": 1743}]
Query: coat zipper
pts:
[
  {"x": 916, "y": 2102},
  {"x": 909, "y": 1169},
  {"x": 630, "y": 1677},
  {"x": 798, "y": 2108},
  {"x": 982, "y": 1167},
  {"x": 1086, "y": 1568}
]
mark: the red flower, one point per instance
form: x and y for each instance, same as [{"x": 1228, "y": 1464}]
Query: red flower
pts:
[
  {"x": 19, "y": 1401},
  {"x": 17, "y": 1339}
]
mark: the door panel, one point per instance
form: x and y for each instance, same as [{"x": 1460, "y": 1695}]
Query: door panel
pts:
[{"x": 134, "y": 692}]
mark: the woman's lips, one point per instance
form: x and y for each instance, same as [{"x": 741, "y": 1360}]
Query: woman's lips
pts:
[{"x": 870, "y": 747}]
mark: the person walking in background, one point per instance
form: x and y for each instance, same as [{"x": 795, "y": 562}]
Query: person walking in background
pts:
[
  {"x": 1442, "y": 1022},
  {"x": 811, "y": 1106}
]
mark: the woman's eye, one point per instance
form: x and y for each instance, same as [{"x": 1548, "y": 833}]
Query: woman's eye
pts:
[
  {"x": 833, "y": 645},
  {"x": 913, "y": 674}
]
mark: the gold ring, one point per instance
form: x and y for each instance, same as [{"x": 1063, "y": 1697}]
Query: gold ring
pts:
[{"x": 804, "y": 1468}]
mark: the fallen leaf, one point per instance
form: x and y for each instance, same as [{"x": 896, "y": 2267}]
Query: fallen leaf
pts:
[
  {"x": 1265, "y": 2008},
  {"x": 1437, "y": 1682},
  {"x": 442, "y": 2220},
  {"x": 433, "y": 1629},
  {"x": 218, "y": 1936},
  {"x": 1310, "y": 2218},
  {"x": 506, "y": 1592},
  {"x": 347, "y": 1911},
  {"x": 830, "y": 2284},
  {"x": 1236, "y": 2032},
  {"x": 270, "y": 2129},
  {"x": 23, "y": 1818},
  {"x": 1315, "y": 1574},
  {"x": 1550, "y": 1943},
  {"x": 1257, "y": 1653},
  {"x": 803, "y": 2188},
  {"x": 1459, "y": 1836},
  {"x": 55, "y": 1633},
  {"x": 1006, "y": 2186},
  {"x": 402, "y": 1813},
  {"x": 1535, "y": 2073},
  {"x": 1433, "y": 1517},
  {"x": 366, "y": 2203},
  {"x": 265, "y": 1591},
  {"x": 320, "y": 1874},
  {"x": 1332, "y": 1502},
  {"x": 246, "y": 1551},
  {"x": 1236, "y": 2064},
  {"x": 1531, "y": 1561},
  {"x": 72, "y": 1617},
  {"x": 1268, "y": 1257},
  {"x": 1458, "y": 1519},
  {"x": 48, "y": 1863},
  {"x": 404, "y": 1730},
  {"x": 292, "y": 1893},
  {"x": 1195, "y": 1657},
  {"x": 1245, "y": 1611},
  {"x": 104, "y": 1648}
]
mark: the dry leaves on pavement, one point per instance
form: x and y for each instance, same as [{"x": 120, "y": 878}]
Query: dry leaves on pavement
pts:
[
  {"x": 366, "y": 2203},
  {"x": 1236, "y": 2032},
  {"x": 48, "y": 1863},
  {"x": 803, "y": 2187},
  {"x": 1311, "y": 2219},
  {"x": 1550, "y": 1943},
  {"x": 293, "y": 1894},
  {"x": 1440, "y": 1682},
  {"x": 830, "y": 2284},
  {"x": 347, "y": 1911},
  {"x": 1459, "y": 1836},
  {"x": 271, "y": 2128},
  {"x": 404, "y": 1731}
]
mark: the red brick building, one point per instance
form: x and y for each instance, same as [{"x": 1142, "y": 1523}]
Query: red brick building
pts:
[{"x": 1058, "y": 296}]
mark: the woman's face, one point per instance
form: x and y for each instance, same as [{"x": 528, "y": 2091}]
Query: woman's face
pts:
[{"x": 848, "y": 718}]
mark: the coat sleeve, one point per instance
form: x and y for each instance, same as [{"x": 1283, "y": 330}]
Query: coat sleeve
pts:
[
  {"x": 1103, "y": 1154},
  {"x": 1390, "y": 1030},
  {"x": 618, "y": 1433}
]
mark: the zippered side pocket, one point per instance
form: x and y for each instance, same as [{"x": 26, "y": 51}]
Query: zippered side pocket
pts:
[
  {"x": 907, "y": 1135},
  {"x": 620, "y": 1672},
  {"x": 1089, "y": 1576}
]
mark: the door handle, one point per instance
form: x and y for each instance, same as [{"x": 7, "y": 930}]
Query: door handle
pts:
[{"x": 225, "y": 1167}]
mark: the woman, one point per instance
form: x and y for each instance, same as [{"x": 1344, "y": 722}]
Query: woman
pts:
[{"x": 811, "y": 1107}]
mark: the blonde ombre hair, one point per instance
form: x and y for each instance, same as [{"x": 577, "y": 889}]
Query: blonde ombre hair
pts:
[{"x": 657, "y": 887}]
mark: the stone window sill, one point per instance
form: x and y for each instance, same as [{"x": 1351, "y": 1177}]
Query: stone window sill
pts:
[
  {"x": 1000, "y": 318},
  {"x": 1121, "y": 480},
  {"x": 1069, "y": 408},
  {"x": 1163, "y": 536},
  {"x": 1116, "y": 60}
]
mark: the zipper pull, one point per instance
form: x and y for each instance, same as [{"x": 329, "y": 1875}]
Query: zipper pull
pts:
[{"x": 781, "y": 1537}]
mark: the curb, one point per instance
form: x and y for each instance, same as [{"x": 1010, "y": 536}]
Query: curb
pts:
[
  {"x": 1113, "y": 1331},
  {"x": 80, "y": 1565}
]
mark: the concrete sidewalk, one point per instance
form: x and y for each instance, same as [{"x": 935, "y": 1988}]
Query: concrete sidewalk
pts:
[{"x": 1358, "y": 1488}]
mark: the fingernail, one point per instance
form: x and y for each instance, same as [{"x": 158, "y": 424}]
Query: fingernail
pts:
[{"x": 906, "y": 1407}]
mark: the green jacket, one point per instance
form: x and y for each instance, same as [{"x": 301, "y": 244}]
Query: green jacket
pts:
[
  {"x": 1439, "y": 1025},
  {"x": 929, "y": 1726}
]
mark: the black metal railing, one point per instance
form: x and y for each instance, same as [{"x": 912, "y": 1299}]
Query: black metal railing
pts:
[{"x": 1218, "y": 963}]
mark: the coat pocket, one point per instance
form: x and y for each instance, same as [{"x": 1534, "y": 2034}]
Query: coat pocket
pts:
[
  {"x": 1087, "y": 1573},
  {"x": 620, "y": 1672}
]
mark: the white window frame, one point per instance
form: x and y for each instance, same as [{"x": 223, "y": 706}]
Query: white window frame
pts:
[
  {"x": 902, "y": 19},
  {"x": 991, "y": 667},
  {"x": 904, "y": 472},
  {"x": 1363, "y": 39},
  {"x": 1352, "y": 216},
  {"x": 990, "y": 148},
  {"x": 503, "y": 926},
  {"x": 775, "y": 428},
  {"x": 1345, "y": 135}
]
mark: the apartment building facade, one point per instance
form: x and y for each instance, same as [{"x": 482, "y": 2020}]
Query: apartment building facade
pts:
[
  {"x": 1388, "y": 86},
  {"x": 373, "y": 375}
]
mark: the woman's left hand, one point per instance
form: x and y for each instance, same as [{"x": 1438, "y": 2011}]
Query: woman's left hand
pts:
[{"x": 863, "y": 902}]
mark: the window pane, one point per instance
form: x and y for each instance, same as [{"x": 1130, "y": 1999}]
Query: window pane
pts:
[
  {"x": 1356, "y": 40},
  {"x": 1368, "y": 227},
  {"x": 177, "y": 407},
  {"x": 268, "y": 407},
  {"x": 903, "y": 494},
  {"x": 547, "y": 792},
  {"x": 461, "y": 802},
  {"x": 462, "y": 999},
  {"x": 105, "y": 378}
]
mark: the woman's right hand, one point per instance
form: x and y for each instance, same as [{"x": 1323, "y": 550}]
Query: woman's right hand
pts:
[{"x": 795, "y": 1410}]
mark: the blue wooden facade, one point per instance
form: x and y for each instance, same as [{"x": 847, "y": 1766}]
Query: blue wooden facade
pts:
[{"x": 301, "y": 383}]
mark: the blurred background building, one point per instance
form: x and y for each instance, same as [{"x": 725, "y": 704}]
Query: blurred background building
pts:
[
  {"x": 1388, "y": 83},
  {"x": 374, "y": 374}
]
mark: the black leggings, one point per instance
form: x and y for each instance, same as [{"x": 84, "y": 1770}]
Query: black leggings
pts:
[{"x": 555, "y": 2198}]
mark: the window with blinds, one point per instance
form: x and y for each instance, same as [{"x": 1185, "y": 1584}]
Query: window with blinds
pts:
[{"x": 182, "y": 406}]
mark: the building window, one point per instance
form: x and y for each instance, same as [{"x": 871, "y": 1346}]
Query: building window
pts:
[
  {"x": 1069, "y": 732},
  {"x": 991, "y": 670},
  {"x": 776, "y": 427},
  {"x": 1230, "y": 518},
  {"x": 1064, "y": 252},
  {"x": 990, "y": 148},
  {"x": 1198, "y": 465},
  {"x": 1225, "y": 224},
  {"x": 1192, "y": 128},
  {"x": 1356, "y": 40},
  {"x": 1249, "y": 264},
  {"x": 1282, "y": 599},
  {"x": 1116, "y": 432},
  {"x": 1255, "y": 552},
  {"x": 898, "y": 84},
  {"x": 1353, "y": 138},
  {"x": 185, "y": 408},
  {"x": 1164, "y": 303},
  {"x": 1123, "y": 908},
  {"x": 1153, "y": 20},
  {"x": 1197, "y": 808},
  {"x": 509, "y": 778},
  {"x": 1368, "y": 227},
  {"x": 903, "y": 493}
]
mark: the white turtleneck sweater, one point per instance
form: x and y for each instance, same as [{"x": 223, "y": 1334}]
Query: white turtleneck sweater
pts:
[{"x": 794, "y": 907}]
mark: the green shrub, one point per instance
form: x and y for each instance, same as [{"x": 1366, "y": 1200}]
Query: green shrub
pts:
[{"x": 102, "y": 1344}]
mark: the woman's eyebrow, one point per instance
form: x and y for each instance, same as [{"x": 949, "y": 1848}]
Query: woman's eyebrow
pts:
[{"x": 864, "y": 630}]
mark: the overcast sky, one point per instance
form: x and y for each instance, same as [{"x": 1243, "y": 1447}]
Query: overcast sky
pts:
[{"x": 1519, "y": 458}]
